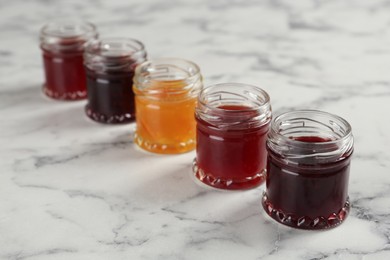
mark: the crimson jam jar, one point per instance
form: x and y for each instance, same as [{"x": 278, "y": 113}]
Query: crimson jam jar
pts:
[
  {"x": 309, "y": 154},
  {"x": 110, "y": 66},
  {"x": 232, "y": 125},
  {"x": 62, "y": 44}
]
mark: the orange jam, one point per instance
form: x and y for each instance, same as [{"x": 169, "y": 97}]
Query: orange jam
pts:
[
  {"x": 165, "y": 98},
  {"x": 165, "y": 117}
]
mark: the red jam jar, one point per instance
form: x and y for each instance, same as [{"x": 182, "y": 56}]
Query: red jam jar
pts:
[
  {"x": 232, "y": 125},
  {"x": 110, "y": 66},
  {"x": 62, "y": 45},
  {"x": 309, "y": 154}
]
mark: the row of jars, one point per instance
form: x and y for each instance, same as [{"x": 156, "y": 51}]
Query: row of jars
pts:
[{"x": 303, "y": 156}]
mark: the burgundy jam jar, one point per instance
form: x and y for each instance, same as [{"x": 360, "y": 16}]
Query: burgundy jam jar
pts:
[
  {"x": 110, "y": 66},
  {"x": 232, "y": 125},
  {"x": 309, "y": 154},
  {"x": 62, "y": 45}
]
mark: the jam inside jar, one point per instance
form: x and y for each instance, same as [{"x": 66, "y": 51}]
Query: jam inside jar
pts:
[
  {"x": 110, "y": 65},
  {"x": 166, "y": 92},
  {"x": 62, "y": 45},
  {"x": 232, "y": 125},
  {"x": 309, "y": 154}
]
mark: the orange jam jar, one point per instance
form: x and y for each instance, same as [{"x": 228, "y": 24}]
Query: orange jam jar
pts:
[{"x": 165, "y": 98}]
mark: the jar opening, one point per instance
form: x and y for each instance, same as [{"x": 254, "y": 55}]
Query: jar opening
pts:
[
  {"x": 114, "y": 54},
  {"x": 329, "y": 130},
  {"x": 168, "y": 76},
  {"x": 234, "y": 105},
  {"x": 64, "y": 35},
  {"x": 228, "y": 96},
  {"x": 67, "y": 30},
  {"x": 310, "y": 136},
  {"x": 114, "y": 47}
]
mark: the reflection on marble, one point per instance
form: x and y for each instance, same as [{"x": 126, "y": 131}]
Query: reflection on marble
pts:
[{"x": 74, "y": 189}]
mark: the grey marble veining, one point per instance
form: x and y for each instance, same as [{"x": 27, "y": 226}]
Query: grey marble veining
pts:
[{"x": 74, "y": 189}]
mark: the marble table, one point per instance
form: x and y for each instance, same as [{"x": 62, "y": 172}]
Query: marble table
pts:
[{"x": 74, "y": 189}]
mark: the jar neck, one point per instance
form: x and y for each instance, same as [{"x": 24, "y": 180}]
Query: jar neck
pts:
[
  {"x": 67, "y": 36},
  {"x": 234, "y": 106},
  {"x": 115, "y": 54},
  {"x": 168, "y": 79},
  {"x": 222, "y": 119},
  {"x": 310, "y": 137}
]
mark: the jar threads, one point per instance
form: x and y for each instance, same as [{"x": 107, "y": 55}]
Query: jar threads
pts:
[
  {"x": 232, "y": 125},
  {"x": 62, "y": 45},
  {"x": 309, "y": 154},
  {"x": 166, "y": 94}
]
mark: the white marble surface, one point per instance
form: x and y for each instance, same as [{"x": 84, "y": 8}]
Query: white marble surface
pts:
[{"x": 74, "y": 189}]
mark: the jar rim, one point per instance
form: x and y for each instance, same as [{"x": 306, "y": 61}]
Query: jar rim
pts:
[
  {"x": 152, "y": 72},
  {"x": 276, "y": 123},
  {"x": 61, "y": 26},
  {"x": 335, "y": 141},
  {"x": 204, "y": 91},
  {"x": 66, "y": 35},
  {"x": 252, "y": 102},
  {"x": 169, "y": 61},
  {"x": 98, "y": 46}
]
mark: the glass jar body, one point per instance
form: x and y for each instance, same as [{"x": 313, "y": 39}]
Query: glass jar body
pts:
[
  {"x": 166, "y": 91},
  {"x": 62, "y": 47},
  {"x": 110, "y": 66},
  {"x": 231, "y": 135},
  {"x": 308, "y": 172}
]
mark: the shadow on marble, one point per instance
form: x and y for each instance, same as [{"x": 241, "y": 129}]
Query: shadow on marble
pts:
[
  {"x": 169, "y": 186},
  {"x": 32, "y": 106},
  {"x": 26, "y": 96}
]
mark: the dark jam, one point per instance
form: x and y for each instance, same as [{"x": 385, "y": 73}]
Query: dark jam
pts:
[
  {"x": 307, "y": 196},
  {"x": 110, "y": 97},
  {"x": 229, "y": 158},
  {"x": 311, "y": 139},
  {"x": 65, "y": 75}
]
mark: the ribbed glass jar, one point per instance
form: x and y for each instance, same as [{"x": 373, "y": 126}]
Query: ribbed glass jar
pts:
[
  {"x": 110, "y": 65},
  {"x": 309, "y": 154},
  {"x": 62, "y": 45},
  {"x": 232, "y": 124},
  {"x": 166, "y": 93}
]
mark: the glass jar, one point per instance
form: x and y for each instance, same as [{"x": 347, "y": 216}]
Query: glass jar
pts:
[
  {"x": 62, "y": 45},
  {"x": 232, "y": 124},
  {"x": 110, "y": 66},
  {"x": 309, "y": 154},
  {"x": 166, "y": 91}
]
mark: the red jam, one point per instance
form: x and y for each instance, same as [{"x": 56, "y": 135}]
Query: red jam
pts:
[
  {"x": 229, "y": 158},
  {"x": 65, "y": 75},
  {"x": 304, "y": 196},
  {"x": 63, "y": 43}
]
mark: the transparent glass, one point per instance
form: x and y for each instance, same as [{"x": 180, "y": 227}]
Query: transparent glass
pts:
[
  {"x": 62, "y": 45},
  {"x": 166, "y": 91},
  {"x": 309, "y": 155},
  {"x": 232, "y": 124},
  {"x": 110, "y": 65}
]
